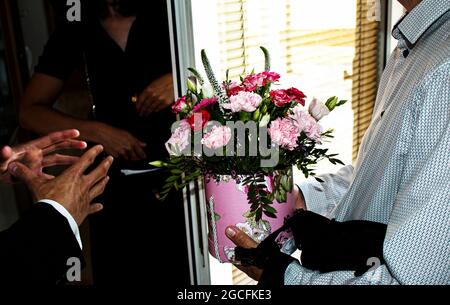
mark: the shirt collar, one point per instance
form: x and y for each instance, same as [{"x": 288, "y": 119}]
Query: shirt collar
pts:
[{"x": 415, "y": 23}]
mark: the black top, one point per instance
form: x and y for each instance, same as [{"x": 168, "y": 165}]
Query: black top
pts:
[{"x": 117, "y": 75}]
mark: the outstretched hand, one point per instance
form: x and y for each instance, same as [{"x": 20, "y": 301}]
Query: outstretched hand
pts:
[
  {"x": 39, "y": 154},
  {"x": 74, "y": 190}
]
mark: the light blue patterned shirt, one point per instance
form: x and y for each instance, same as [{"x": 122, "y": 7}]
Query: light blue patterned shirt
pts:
[{"x": 402, "y": 174}]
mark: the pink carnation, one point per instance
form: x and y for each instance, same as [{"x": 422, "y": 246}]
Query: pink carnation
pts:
[
  {"x": 253, "y": 81},
  {"x": 307, "y": 124},
  {"x": 233, "y": 88},
  {"x": 296, "y": 95},
  {"x": 284, "y": 133},
  {"x": 280, "y": 97},
  {"x": 204, "y": 103},
  {"x": 217, "y": 137},
  {"x": 271, "y": 77},
  {"x": 243, "y": 101},
  {"x": 180, "y": 138},
  {"x": 180, "y": 105}
]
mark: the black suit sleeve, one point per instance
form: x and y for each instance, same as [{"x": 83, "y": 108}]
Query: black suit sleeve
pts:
[{"x": 36, "y": 248}]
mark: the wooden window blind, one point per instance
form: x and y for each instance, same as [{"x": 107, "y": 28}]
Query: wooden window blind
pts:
[{"x": 365, "y": 64}]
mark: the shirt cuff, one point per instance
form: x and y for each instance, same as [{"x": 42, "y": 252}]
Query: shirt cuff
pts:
[{"x": 62, "y": 210}]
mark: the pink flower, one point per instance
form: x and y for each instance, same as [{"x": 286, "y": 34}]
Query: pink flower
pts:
[
  {"x": 233, "y": 88},
  {"x": 270, "y": 183},
  {"x": 307, "y": 124},
  {"x": 204, "y": 103},
  {"x": 271, "y": 77},
  {"x": 296, "y": 95},
  {"x": 198, "y": 120},
  {"x": 218, "y": 137},
  {"x": 180, "y": 105},
  {"x": 280, "y": 97},
  {"x": 180, "y": 138},
  {"x": 253, "y": 81},
  {"x": 243, "y": 101},
  {"x": 284, "y": 133}
]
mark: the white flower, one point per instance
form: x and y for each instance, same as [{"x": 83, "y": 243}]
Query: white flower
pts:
[
  {"x": 318, "y": 110},
  {"x": 208, "y": 91}
]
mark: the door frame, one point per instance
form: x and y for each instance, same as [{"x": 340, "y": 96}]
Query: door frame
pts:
[{"x": 183, "y": 57}]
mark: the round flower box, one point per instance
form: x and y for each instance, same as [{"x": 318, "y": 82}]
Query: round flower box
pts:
[{"x": 227, "y": 204}]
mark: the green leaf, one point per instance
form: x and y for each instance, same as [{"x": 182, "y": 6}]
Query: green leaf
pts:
[
  {"x": 176, "y": 171},
  {"x": 270, "y": 209},
  {"x": 271, "y": 215},
  {"x": 258, "y": 214},
  {"x": 342, "y": 102},
  {"x": 266, "y": 200},
  {"x": 172, "y": 178}
]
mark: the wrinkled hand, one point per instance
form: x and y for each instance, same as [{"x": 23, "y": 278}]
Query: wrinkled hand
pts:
[
  {"x": 72, "y": 189},
  {"x": 120, "y": 143},
  {"x": 157, "y": 96},
  {"x": 241, "y": 239},
  {"x": 38, "y": 154}
]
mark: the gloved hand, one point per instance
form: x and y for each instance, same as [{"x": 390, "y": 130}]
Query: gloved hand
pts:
[{"x": 328, "y": 245}]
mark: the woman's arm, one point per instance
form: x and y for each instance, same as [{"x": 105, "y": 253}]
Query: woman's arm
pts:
[
  {"x": 36, "y": 111},
  {"x": 37, "y": 114}
]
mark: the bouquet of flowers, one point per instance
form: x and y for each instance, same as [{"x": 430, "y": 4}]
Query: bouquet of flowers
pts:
[{"x": 248, "y": 130}]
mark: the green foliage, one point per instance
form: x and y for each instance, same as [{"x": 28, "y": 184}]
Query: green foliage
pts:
[
  {"x": 334, "y": 102},
  {"x": 267, "y": 59}
]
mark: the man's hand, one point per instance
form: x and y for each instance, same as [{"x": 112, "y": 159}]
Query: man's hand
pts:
[
  {"x": 243, "y": 240},
  {"x": 157, "y": 96},
  {"x": 72, "y": 189},
  {"x": 38, "y": 154},
  {"x": 120, "y": 143}
]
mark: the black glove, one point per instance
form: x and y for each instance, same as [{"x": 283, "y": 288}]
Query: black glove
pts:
[
  {"x": 327, "y": 245},
  {"x": 266, "y": 256}
]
